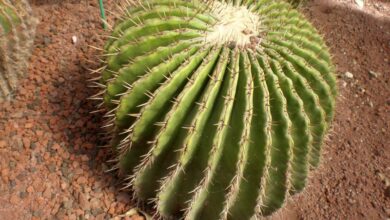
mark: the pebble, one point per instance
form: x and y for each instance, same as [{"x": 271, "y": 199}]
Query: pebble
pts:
[
  {"x": 26, "y": 143},
  {"x": 28, "y": 125},
  {"x": 349, "y": 75},
  {"x": 33, "y": 146},
  {"x": 12, "y": 164},
  {"x": 47, "y": 193},
  {"x": 14, "y": 199},
  {"x": 96, "y": 211},
  {"x": 83, "y": 201},
  {"x": 82, "y": 180},
  {"x": 95, "y": 203},
  {"x": 52, "y": 167},
  {"x": 12, "y": 183},
  {"x": 100, "y": 216},
  {"x": 23, "y": 194},
  {"x": 63, "y": 186},
  {"x": 55, "y": 209},
  {"x": 373, "y": 74},
  {"x": 74, "y": 39},
  {"x": 3, "y": 144},
  {"x": 37, "y": 213},
  {"x": 137, "y": 217},
  {"x": 67, "y": 204},
  {"x": 111, "y": 210},
  {"x": 46, "y": 40}
]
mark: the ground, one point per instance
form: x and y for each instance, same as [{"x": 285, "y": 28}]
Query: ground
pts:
[{"x": 51, "y": 167}]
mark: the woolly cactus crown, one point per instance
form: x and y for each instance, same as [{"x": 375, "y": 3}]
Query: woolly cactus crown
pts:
[{"x": 217, "y": 109}]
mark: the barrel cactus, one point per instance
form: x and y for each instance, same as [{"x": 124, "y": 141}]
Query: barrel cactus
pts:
[
  {"x": 215, "y": 109},
  {"x": 17, "y": 30}
]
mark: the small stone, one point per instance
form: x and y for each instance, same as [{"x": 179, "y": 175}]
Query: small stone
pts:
[
  {"x": 61, "y": 213},
  {"x": 14, "y": 200},
  {"x": 111, "y": 210},
  {"x": 52, "y": 168},
  {"x": 74, "y": 39},
  {"x": 95, "y": 203},
  {"x": 63, "y": 186},
  {"x": 83, "y": 201},
  {"x": 79, "y": 212},
  {"x": 100, "y": 216},
  {"x": 33, "y": 146},
  {"x": 37, "y": 213},
  {"x": 67, "y": 204},
  {"x": 26, "y": 142},
  {"x": 21, "y": 176},
  {"x": 30, "y": 189},
  {"x": 72, "y": 216},
  {"x": 39, "y": 133},
  {"x": 12, "y": 183},
  {"x": 65, "y": 171},
  {"x": 28, "y": 125},
  {"x": 373, "y": 74},
  {"x": 12, "y": 164},
  {"x": 137, "y": 217},
  {"x": 96, "y": 211},
  {"x": 46, "y": 40},
  {"x": 349, "y": 75},
  {"x": 82, "y": 180},
  {"x": 23, "y": 194},
  {"x": 47, "y": 193},
  {"x": 84, "y": 158},
  {"x": 3, "y": 144},
  {"x": 55, "y": 208}
]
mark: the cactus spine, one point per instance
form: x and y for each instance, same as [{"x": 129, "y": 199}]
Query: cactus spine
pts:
[
  {"x": 17, "y": 30},
  {"x": 216, "y": 109}
]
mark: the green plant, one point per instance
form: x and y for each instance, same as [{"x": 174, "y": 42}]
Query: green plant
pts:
[
  {"x": 296, "y": 3},
  {"x": 216, "y": 110},
  {"x": 17, "y": 30}
]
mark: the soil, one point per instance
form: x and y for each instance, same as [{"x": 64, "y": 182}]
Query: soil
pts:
[{"x": 51, "y": 167}]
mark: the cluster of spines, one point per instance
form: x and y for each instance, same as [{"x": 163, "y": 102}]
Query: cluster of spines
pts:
[
  {"x": 17, "y": 30},
  {"x": 214, "y": 132}
]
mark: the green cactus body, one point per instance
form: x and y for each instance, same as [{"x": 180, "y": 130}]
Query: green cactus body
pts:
[
  {"x": 296, "y": 3},
  {"x": 17, "y": 30},
  {"x": 217, "y": 110}
]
